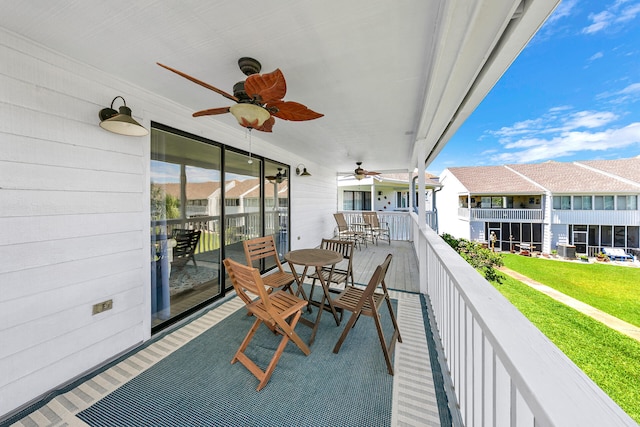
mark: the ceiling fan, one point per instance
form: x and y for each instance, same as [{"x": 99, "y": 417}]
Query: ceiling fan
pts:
[
  {"x": 360, "y": 173},
  {"x": 258, "y": 99},
  {"x": 278, "y": 178}
]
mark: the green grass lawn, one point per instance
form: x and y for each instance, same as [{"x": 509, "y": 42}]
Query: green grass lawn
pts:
[
  {"x": 609, "y": 358},
  {"x": 610, "y": 288}
]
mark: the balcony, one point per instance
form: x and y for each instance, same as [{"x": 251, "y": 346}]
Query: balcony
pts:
[
  {"x": 498, "y": 368},
  {"x": 502, "y": 215}
]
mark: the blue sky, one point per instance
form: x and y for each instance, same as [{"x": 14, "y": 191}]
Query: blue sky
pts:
[{"x": 572, "y": 94}]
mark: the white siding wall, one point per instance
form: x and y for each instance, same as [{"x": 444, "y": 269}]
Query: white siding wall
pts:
[
  {"x": 74, "y": 214},
  {"x": 447, "y": 204}
]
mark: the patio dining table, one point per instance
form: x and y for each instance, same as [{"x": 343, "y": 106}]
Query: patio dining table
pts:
[{"x": 317, "y": 258}]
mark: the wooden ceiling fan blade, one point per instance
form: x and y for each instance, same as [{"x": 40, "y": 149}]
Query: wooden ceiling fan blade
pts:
[
  {"x": 266, "y": 87},
  {"x": 267, "y": 126},
  {"x": 211, "y": 112},
  {"x": 200, "y": 82},
  {"x": 294, "y": 111}
]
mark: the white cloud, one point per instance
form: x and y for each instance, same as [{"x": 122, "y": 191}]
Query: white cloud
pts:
[
  {"x": 615, "y": 14},
  {"x": 595, "y": 56},
  {"x": 630, "y": 93},
  {"x": 569, "y": 143},
  {"x": 563, "y": 132},
  {"x": 589, "y": 119}
]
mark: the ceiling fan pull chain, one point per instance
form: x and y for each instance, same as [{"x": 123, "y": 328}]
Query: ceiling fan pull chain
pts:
[{"x": 250, "y": 161}]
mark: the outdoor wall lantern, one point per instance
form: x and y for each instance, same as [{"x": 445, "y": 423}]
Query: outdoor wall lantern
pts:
[
  {"x": 301, "y": 170},
  {"x": 120, "y": 122}
]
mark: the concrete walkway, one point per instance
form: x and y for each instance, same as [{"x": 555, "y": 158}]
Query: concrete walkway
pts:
[{"x": 611, "y": 321}]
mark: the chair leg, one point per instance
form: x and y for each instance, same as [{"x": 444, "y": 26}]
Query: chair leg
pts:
[
  {"x": 287, "y": 332},
  {"x": 345, "y": 332},
  {"x": 383, "y": 343}
]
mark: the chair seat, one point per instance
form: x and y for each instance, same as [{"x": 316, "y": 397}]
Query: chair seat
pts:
[
  {"x": 339, "y": 277},
  {"x": 350, "y": 298},
  {"x": 278, "y": 279},
  {"x": 283, "y": 303}
]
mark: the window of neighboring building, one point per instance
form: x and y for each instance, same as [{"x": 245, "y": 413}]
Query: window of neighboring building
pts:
[
  {"x": 496, "y": 203},
  {"x": 582, "y": 203},
  {"x": 603, "y": 203},
  {"x": 633, "y": 234},
  {"x": 627, "y": 203},
  {"x": 251, "y": 203},
  {"x": 357, "y": 201},
  {"x": 402, "y": 199},
  {"x": 232, "y": 202},
  {"x": 562, "y": 202},
  {"x": 606, "y": 235}
]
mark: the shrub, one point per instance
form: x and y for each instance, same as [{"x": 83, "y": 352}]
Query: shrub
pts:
[{"x": 482, "y": 259}]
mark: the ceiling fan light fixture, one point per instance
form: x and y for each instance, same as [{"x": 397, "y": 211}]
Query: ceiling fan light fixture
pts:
[
  {"x": 360, "y": 176},
  {"x": 249, "y": 115},
  {"x": 120, "y": 122}
]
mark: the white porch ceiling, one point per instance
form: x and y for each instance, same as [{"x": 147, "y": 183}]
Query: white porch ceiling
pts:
[{"x": 394, "y": 79}]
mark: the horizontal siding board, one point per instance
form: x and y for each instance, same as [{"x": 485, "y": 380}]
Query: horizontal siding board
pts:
[
  {"x": 24, "y": 176},
  {"x": 20, "y": 230},
  {"x": 34, "y": 281},
  {"x": 45, "y": 353},
  {"x": 18, "y": 203},
  {"x": 29, "y": 255},
  {"x": 50, "y": 127},
  {"x": 48, "y": 309},
  {"x": 25, "y": 149}
]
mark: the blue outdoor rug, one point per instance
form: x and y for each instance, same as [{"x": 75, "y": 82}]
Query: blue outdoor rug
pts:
[{"x": 198, "y": 386}]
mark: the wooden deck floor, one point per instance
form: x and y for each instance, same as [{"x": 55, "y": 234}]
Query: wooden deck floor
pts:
[{"x": 403, "y": 271}]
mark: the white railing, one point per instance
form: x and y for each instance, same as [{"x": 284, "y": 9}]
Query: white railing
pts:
[
  {"x": 399, "y": 222},
  {"x": 502, "y": 370},
  {"x": 503, "y": 215}
]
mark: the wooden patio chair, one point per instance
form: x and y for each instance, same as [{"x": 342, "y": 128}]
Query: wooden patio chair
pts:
[
  {"x": 379, "y": 228},
  {"x": 279, "y": 311},
  {"x": 344, "y": 231},
  {"x": 339, "y": 276},
  {"x": 262, "y": 248},
  {"x": 367, "y": 302},
  {"x": 186, "y": 244}
]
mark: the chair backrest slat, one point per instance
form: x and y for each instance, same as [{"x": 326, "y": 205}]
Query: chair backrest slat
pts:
[
  {"x": 377, "y": 278},
  {"x": 259, "y": 248},
  {"x": 247, "y": 279},
  {"x": 371, "y": 218},
  {"x": 342, "y": 223}
]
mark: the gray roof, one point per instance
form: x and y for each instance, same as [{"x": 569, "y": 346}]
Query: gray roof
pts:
[
  {"x": 494, "y": 180},
  {"x": 625, "y": 168},
  {"x": 560, "y": 177},
  {"x": 597, "y": 176}
]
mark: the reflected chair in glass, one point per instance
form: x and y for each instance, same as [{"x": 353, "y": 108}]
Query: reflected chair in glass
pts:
[
  {"x": 367, "y": 302},
  {"x": 185, "y": 248},
  {"x": 279, "y": 311}
]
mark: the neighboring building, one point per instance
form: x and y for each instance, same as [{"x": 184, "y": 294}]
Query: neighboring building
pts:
[
  {"x": 589, "y": 204},
  {"x": 384, "y": 192},
  {"x": 388, "y": 193}
]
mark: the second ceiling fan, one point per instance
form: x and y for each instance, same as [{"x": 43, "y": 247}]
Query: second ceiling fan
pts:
[
  {"x": 258, "y": 99},
  {"x": 360, "y": 173}
]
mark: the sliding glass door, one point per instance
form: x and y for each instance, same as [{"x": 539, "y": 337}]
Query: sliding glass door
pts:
[
  {"x": 185, "y": 224},
  {"x": 206, "y": 199}
]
